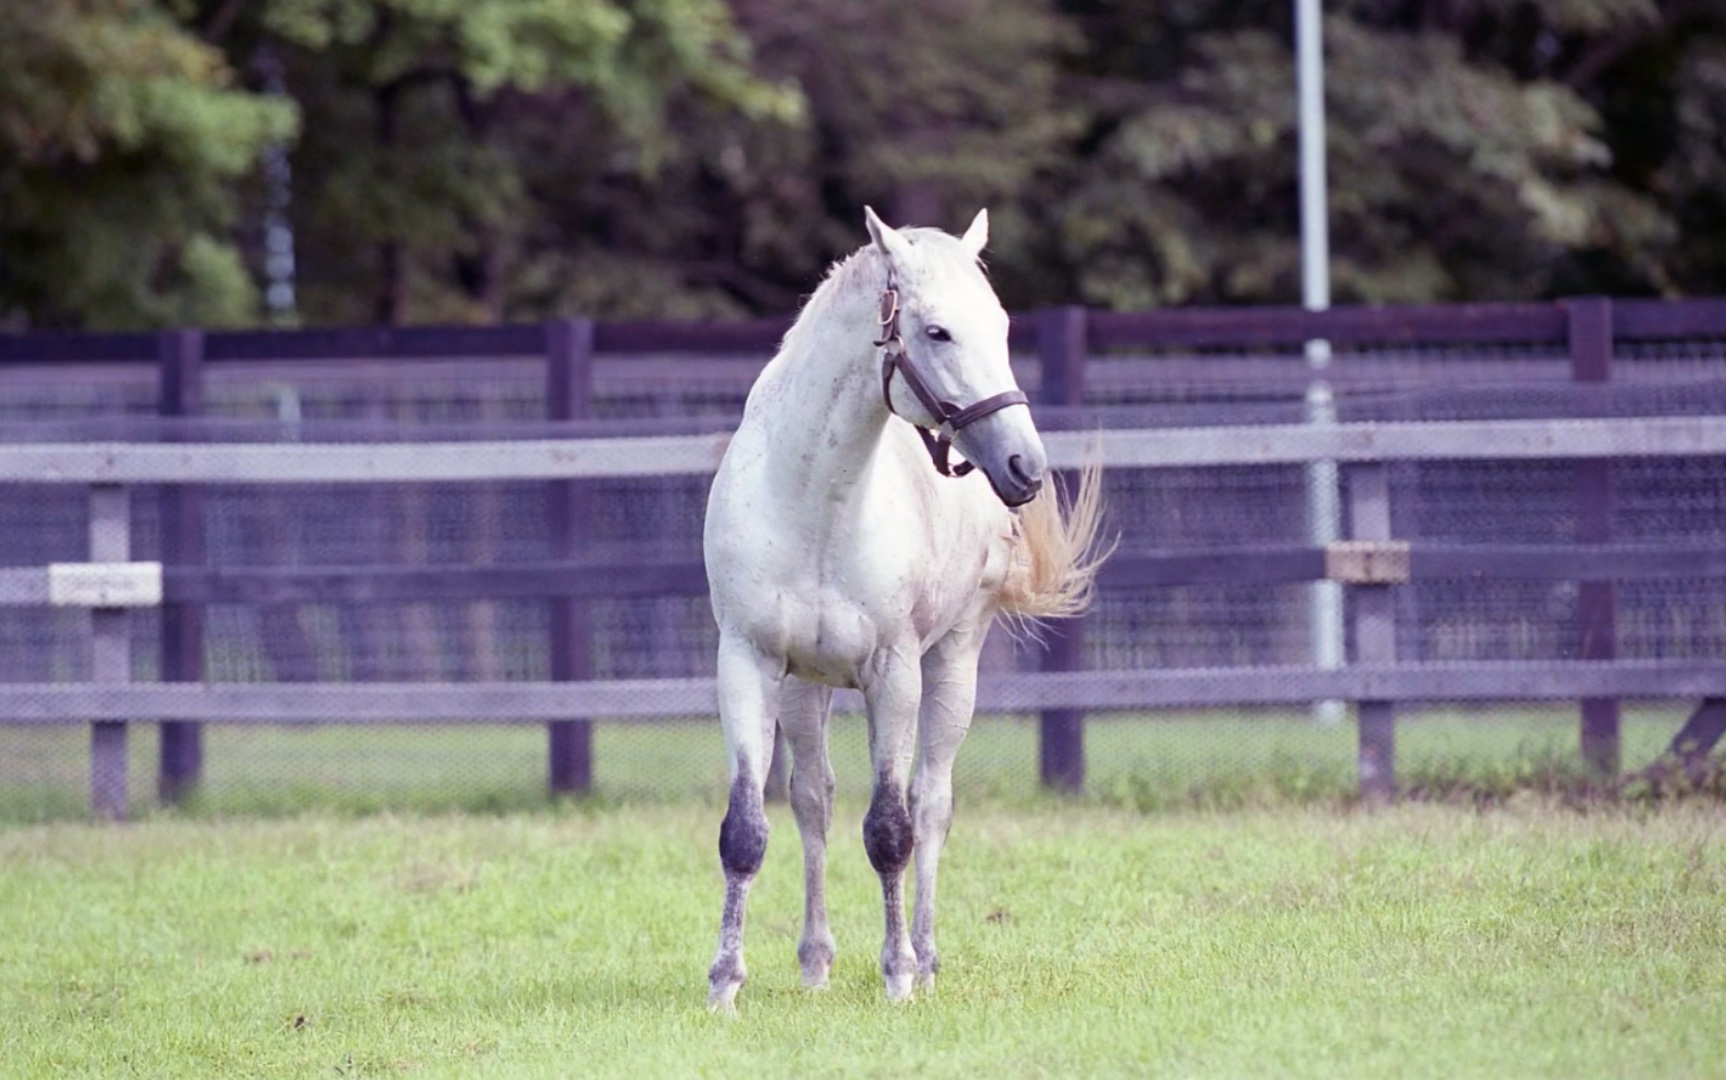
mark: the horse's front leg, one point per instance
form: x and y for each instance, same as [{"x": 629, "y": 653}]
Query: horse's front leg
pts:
[
  {"x": 748, "y": 705},
  {"x": 888, "y": 833},
  {"x": 803, "y": 718},
  {"x": 949, "y": 695}
]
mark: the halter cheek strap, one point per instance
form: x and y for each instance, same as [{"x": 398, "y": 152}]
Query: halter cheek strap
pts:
[{"x": 950, "y": 418}]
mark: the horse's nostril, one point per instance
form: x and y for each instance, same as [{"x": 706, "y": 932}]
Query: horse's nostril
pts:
[{"x": 1025, "y": 477}]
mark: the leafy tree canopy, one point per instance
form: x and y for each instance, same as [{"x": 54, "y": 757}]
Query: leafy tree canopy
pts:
[
  {"x": 122, "y": 137},
  {"x": 511, "y": 159},
  {"x": 1460, "y": 165}
]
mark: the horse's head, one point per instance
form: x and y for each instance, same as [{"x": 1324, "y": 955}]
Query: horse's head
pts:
[{"x": 945, "y": 365}]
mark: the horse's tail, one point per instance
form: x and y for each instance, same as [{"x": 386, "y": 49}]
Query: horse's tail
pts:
[{"x": 1056, "y": 552}]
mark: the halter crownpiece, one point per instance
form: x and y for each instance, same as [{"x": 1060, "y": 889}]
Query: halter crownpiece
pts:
[{"x": 949, "y": 417}]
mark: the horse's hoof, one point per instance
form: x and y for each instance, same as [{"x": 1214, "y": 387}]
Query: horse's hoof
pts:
[
  {"x": 722, "y": 998},
  {"x": 816, "y": 960},
  {"x": 724, "y": 979},
  {"x": 927, "y": 965},
  {"x": 899, "y": 987}
]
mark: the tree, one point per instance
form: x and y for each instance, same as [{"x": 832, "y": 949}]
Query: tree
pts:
[
  {"x": 1461, "y": 166},
  {"x": 421, "y": 115},
  {"x": 1660, "y": 85},
  {"x": 1138, "y": 155},
  {"x": 511, "y": 159},
  {"x": 926, "y": 110},
  {"x": 122, "y": 139}
]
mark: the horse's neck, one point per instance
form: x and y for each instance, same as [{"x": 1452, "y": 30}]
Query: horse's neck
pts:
[{"x": 826, "y": 414}]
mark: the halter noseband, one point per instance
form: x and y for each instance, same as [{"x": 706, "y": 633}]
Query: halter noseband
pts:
[{"x": 949, "y": 417}]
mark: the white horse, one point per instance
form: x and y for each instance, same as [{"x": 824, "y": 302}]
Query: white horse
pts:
[{"x": 842, "y": 551}]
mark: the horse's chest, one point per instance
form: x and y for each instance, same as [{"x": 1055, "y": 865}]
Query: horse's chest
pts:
[
  {"x": 838, "y": 613},
  {"x": 833, "y": 584},
  {"x": 830, "y": 636}
]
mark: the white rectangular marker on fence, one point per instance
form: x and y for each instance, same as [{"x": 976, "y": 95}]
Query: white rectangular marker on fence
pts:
[{"x": 105, "y": 585}]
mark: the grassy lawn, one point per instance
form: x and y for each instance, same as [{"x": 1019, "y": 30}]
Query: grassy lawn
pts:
[
  {"x": 1077, "y": 940},
  {"x": 1211, "y": 759}
]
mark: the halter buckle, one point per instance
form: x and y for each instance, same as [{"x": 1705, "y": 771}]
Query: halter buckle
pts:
[{"x": 889, "y": 305}]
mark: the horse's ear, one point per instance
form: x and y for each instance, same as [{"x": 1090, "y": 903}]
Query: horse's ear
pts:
[
  {"x": 887, "y": 239},
  {"x": 977, "y": 235}
]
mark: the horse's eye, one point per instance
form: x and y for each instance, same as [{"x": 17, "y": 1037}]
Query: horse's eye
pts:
[{"x": 938, "y": 333}]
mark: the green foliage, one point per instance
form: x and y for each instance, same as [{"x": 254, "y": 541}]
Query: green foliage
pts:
[
  {"x": 422, "y": 118},
  {"x": 512, "y": 159},
  {"x": 1453, "y": 173},
  {"x": 1695, "y": 171},
  {"x": 120, "y": 138},
  {"x": 926, "y": 109}
]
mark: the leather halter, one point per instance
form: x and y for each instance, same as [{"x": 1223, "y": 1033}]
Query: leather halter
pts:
[{"x": 949, "y": 417}]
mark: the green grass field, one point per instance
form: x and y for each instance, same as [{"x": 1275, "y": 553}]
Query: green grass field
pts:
[
  {"x": 1426, "y": 940},
  {"x": 1213, "y": 759}
]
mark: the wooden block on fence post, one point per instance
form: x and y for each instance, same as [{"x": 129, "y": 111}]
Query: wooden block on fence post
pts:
[
  {"x": 1590, "y": 327},
  {"x": 1367, "y": 562},
  {"x": 1061, "y": 348},
  {"x": 568, "y": 394},
  {"x": 110, "y": 652},
  {"x": 1374, "y": 619},
  {"x": 180, "y": 768}
]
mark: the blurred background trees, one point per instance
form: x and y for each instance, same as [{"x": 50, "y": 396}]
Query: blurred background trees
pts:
[
  {"x": 477, "y": 160},
  {"x": 125, "y": 143}
]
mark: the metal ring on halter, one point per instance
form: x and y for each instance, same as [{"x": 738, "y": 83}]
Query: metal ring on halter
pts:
[{"x": 889, "y": 317}]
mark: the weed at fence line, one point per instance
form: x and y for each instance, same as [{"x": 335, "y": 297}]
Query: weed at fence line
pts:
[{"x": 1281, "y": 781}]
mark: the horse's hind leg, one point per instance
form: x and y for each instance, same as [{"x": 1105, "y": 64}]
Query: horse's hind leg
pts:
[
  {"x": 949, "y": 695},
  {"x": 888, "y": 836},
  {"x": 748, "y": 707},
  {"x": 803, "y": 718}
]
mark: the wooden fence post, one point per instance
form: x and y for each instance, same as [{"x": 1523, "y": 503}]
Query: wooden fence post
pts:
[
  {"x": 1374, "y": 626},
  {"x": 110, "y": 651},
  {"x": 1590, "y": 325},
  {"x": 180, "y": 768},
  {"x": 1061, "y": 347},
  {"x": 568, "y": 396}
]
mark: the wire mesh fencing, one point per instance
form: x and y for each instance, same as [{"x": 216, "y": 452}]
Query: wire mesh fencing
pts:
[{"x": 639, "y": 538}]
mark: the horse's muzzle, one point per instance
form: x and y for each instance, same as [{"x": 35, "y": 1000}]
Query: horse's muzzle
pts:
[{"x": 1006, "y": 449}]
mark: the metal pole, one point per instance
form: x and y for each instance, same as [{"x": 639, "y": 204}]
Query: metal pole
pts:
[
  {"x": 1324, "y": 504},
  {"x": 279, "y": 265}
]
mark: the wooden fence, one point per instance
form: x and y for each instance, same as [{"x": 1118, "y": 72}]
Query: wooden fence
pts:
[{"x": 1371, "y": 562}]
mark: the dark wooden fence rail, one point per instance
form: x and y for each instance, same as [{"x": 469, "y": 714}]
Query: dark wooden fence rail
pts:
[
  {"x": 1235, "y": 328},
  {"x": 1063, "y": 340}
]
